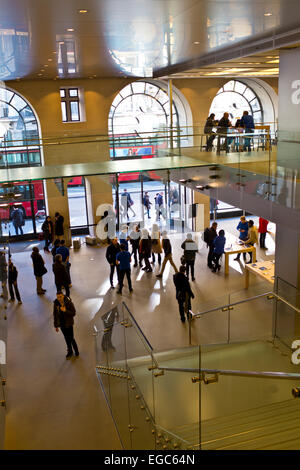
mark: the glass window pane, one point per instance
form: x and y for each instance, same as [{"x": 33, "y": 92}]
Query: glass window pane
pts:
[
  {"x": 220, "y": 91},
  {"x": 239, "y": 87},
  {"x": 34, "y": 157},
  {"x": 229, "y": 86},
  {"x": 257, "y": 117},
  {"x": 117, "y": 100},
  {"x": 126, "y": 91},
  {"x": 18, "y": 102},
  {"x": 255, "y": 105},
  {"x": 162, "y": 97},
  {"x": 151, "y": 89},
  {"x": 138, "y": 87},
  {"x": 27, "y": 114},
  {"x": 5, "y": 95},
  {"x": 249, "y": 95},
  {"x": 64, "y": 111},
  {"x": 62, "y": 92},
  {"x": 74, "y": 106},
  {"x": 73, "y": 92}
]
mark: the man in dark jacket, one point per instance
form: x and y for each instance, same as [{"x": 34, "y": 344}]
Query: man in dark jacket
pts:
[
  {"x": 208, "y": 129},
  {"x": 48, "y": 231},
  {"x": 224, "y": 125},
  {"x": 167, "y": 247},
  {"x": 12, "y": 282},
  {"x": 39, "y": 269},
  {"x": 60, "y": 275},
  {"x": 63, "y": 313},
  {"x": 147, "y": 203},
  {"x": 209, "y": 236},
  {"x": 249, "y": 126},
  {"x": 17, "y": 218},
  {"x": 145, "y": 250},
  {"x": 135, "y": 236},
  {"x": 190, "y": 249},
  {"x": 184, "y": 293},
  {"x": 111, "y": 254},
  {"x": 59, "y": 225}
]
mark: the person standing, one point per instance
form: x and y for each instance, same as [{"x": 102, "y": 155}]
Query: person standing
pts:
[
  {"x": 262, "y": 230},
  {"x": 124, "y": 237},
  {"x": 147, "y": 204},
  {"x": 219, "y": 246},
  {"x": 209, "y": 236},
  {"x": 190, "y": 249},
  {"x": 39, "y": 269},
  {"x": 61, "y": 277},
  {"x": 252, "y": 237},
  {"x": 145, "y": 250},
  {"x": 59, "y": 226},
  {"x": 56, "y": 244},
  {"x": 48, "y": 231},
  {"x": 65, "y": 254},
  {"x": 134, "y": 237},
  {"x": 184, "y": 293},
  {"x": 12, "y": 282},
  {"x": 159, "y": 203},
  {"x": 243, "y": 229},
  {"x": 64, "y": 313},
  {"x": 3, "y": 275},
  {"x": 17, "y": 218},
  {"x": 167, "y": 247},
  {"x": 208, "y": 129},
  {"x": 123, "y": 260},
  {"x": 156, "y": 244},
  {"x": 111, "y": 255},
  {"x": 248, "y": 125},
  {"x": 223, "y": 126}
]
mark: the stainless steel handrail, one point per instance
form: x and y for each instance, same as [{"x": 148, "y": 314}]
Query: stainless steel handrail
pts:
[{"x": 242, "y": 373}]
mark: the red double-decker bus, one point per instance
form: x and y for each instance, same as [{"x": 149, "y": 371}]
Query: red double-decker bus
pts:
[{"x": 30, "y": 199}]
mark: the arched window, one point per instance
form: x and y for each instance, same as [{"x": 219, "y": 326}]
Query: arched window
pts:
[
  {"x": 235, "y": 97},
  {"x": 141, "y": 109},
  {"x": 19, "y": 131}
]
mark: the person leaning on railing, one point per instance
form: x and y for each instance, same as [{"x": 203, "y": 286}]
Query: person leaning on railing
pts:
[
  {"x": 208, "y": 129},
  {"x": 249, "y": 126},
  {"x": 224, "y": 125}
]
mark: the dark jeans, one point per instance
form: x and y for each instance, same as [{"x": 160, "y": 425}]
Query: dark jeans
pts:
[
  {"x": 14, "y": 286},
  {"x": 244, "y": 255},
  {"x": 136, "y": 255},
  {"x": 158, "y": 258},
  {"x": 148, "y": 211},
  {"x": 247, "y": 141},
  {"x": 69, "y": 337},
  {"x": 17, "y": 227},
  {"x": 190, "y": 264},
  {"x": 210, "y": 140},
  {"x": 216, "y": 259},
  {"x": 112, "y": 270},
  {"x": 210, "y": 256},
  {"x": 262, "y": 239},
  {"x": 122, "y": 273},
  {"x": 48, "y": 240},
  {"x": 184, "y": 307},
  {"x": 147, "y": 263},
  {"x": 60, "y": 286}
]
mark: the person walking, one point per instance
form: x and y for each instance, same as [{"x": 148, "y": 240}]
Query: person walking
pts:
[
  {"x": 59, "y": 226},
  {"x": 12, "y": 282},
  {"x": 252, "y": 238},
  {"x": 111, "y": 255},
  {"x": 61, "y": 277},
  {"x": 159, "y": 203},
  {"x": 243, "y": 228},
  {"x": 124, "y": 238},
  {"x": 39, "y": 269},
  {"x": 48, "y": 230},
  {"x": 190, "y": 249},
  {"x": 3, "y": 275},
  {"x": 127, "y": 203},
  {"x": 64, "y": 313},
  {"x": 209, "y": 236},
  {"x": 249, "y": 126},
  {"x": 262, "y": 230},
  {"x": 145, "y": 249},
  {"x": 167, "y": 247},
  {"x": 184, "y": 293},
  {"x": 135, "y": 237},
  {"x": 156, "y": 247},
  {"x": 123, "y": 260},
  {"x": 147, "y": 204},
  {"x": 17, "y": 218},
  {"x": 219, "y": 246},
  {"x": 65, "y": 254}
]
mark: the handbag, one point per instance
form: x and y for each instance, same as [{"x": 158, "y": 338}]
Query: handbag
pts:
[{"x": 44, "y": 270}]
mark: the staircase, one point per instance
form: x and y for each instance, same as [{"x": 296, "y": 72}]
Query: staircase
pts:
[{"x": 271, "y": 427}]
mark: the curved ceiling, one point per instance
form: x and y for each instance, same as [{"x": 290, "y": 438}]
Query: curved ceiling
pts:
[{"x": 51, "y": 39}]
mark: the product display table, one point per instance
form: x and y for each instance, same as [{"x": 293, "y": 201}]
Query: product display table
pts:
[
  {"x": 264, "y": 269},
  {"x": 236, "y": 248}
]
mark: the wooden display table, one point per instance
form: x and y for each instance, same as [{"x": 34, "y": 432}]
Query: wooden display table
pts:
[
  {"x": 235, "y": 249},
  {"x": 264, "y": 269}
]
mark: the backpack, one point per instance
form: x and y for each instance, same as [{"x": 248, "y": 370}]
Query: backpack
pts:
[{"x": 206, "y": 235}]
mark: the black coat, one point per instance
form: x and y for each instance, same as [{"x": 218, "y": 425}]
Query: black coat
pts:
[
  {"x": 182, "y": 285},
  {"x": 45, "y": 228},
  {"x": 38, "y": 265},
  {"x": 59, "y": 226},
  {"x": 67, "y": 316},
  {"x": 12, "y": 274},
  {"x": 190, "y": 249},
  {"x": 166, "y": 244},
  {"x": 111, "y": 253},
  {"x": 60, "y": 274},
  {"x": 145, "y": 247}
]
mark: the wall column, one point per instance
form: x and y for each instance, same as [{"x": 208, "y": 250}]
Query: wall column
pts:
[
  {"x": 99, "y": 192},
  {"x": 202, "y": 219}
]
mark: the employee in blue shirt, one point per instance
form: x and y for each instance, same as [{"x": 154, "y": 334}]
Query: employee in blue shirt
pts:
[
  {"x": 243, "y": 228},
  {"x": 248, "y": 125},
  {"x": 219, "y": 245},
  {"x": 123, "y": 260}
]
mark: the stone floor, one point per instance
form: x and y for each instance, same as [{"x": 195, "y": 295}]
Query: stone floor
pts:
[{"x": 58, "y": 404}]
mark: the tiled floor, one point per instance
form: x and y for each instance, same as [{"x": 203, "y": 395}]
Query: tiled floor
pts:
[{"x": 58, "y": 404}]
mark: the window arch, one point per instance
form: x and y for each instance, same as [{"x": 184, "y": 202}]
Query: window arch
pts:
[
  {"x": 19, "y": 131},
  {"x": 235, "y": 97},
  {"x": 141, "y": 109}
]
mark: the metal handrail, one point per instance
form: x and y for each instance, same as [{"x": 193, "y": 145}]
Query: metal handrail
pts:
[{"x": 241, "y": 373}]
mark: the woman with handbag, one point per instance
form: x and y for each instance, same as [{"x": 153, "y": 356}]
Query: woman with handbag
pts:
[
  {"x": 39, "y": 270},
  {"x": 156, "y": 244}
]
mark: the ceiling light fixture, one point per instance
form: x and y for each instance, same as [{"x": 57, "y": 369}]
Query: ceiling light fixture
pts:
[
  {"x": 197, "y": 42},
  {"x": 70, "y": 30},
  {"x": 82, "y": 11},
  {"x": 268, "y": 14},
  {"x": 50, "y": 60}
]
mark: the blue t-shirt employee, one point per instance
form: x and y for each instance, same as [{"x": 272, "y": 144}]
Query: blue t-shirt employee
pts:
[{"x": 243, "y": 228}]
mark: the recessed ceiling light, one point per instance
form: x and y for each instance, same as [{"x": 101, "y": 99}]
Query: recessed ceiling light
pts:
[
  {"x": 268, "y": 14},
  {"x": 70, "y": 30},
  {"x": 50, "y": 60},
  {"x": 40, "y": 74},
  {"x": 196, "y": 42},
  {"x": 46, "y": 65},
  {"x": 82, "y": 11}
]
